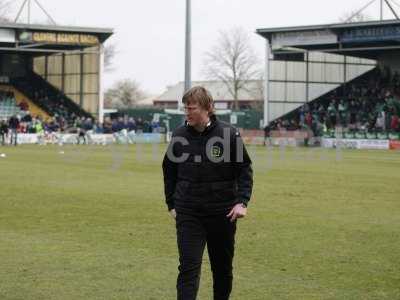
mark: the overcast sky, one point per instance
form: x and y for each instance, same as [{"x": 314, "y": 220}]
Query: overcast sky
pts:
[{"x": 149, "y": 34}]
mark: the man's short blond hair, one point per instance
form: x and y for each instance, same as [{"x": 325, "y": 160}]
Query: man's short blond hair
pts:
[{"x": 201, "y": 96}]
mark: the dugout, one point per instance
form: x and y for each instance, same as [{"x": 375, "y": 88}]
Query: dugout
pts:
[
  {"x": 304, "y": 63},
  {"x": 67, "y": 59}
]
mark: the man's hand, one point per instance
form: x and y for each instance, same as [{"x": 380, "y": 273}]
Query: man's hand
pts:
[
  {"x": 238, "y": 211},
  {"x": 172, "y": 212}
]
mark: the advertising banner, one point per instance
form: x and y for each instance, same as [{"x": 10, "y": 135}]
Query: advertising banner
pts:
[
  {"x": 355, "y": 144},
  {"x": 58, "y": 38},
  {"x": 371, "y": 34},
  {"x": 394, "y": 144},
  {"x": 297, "y": 38},
  {"x": 28, "y": 138},
  {"x": 93, "y": 139}
]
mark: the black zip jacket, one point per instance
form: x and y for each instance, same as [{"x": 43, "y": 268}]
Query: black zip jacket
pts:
[{"x": 207, "y": 173}]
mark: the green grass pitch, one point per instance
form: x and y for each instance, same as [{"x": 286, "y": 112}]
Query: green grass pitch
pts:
[{"x": 89, "y": 222}]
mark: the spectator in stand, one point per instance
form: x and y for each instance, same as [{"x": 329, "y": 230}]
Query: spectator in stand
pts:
[
  {"x": 88, "y": 124},
  {"x": 27, "y": 117},
  {"x": 98, "y": 128},
  {"x": 302, "y": 114},
  {"x": 368, "y": 104},
  {"x": 52, "y": 126},
  {"x": 31, "y": 127},
  {"x": 88, "y": 127},
  {"x": 107, "y": 126},
  {"x": 394, "y": 124},
  {"x": 154, "y": 126},
  {"x": 380, "y": 122},
  {"x": 13, "y": 124},
  {"x": 308, "y": 119},
  {"x": 40, "y": 131},
  {"x": 23, "y": 127},
  {"x": 131, "y": 125},
  {"x": 120, "y": 124},
  {"x": 23, "y": 105},
  {"x": 332, "y": 115},
  {"x": 114, "y": 127},
  {"x": 39, "y": 127},
  {"x": 353, "y": 112},
  {"x": 139, "y": 125},
  {"x": 125, "y": 122},
  {"x": 62, "y": 124},
  {"x": 146, "y": 126},
  {"x": 342, "y": 109}
]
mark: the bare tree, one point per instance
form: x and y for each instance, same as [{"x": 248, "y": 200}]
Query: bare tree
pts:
[
  {"x": 5, "y": 9},
  {"x": 257, "y": 92},
  {"x": 124, "y": 94},
  {"x": 232, "y": 61},
  {"x": 110, "y": 50}
]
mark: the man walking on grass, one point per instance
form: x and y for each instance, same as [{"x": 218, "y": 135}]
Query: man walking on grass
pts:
[
  {"x": 3, "y": 131},
  {"x": 208, "y": 182},
  {"x": 13, "y": 124}
]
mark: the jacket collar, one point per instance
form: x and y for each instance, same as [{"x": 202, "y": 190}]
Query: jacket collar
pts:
[{"x": 210, "y": 125}]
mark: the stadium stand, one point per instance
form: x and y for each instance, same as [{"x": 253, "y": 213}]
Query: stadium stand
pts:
[
  {"x": 48, "y": 97},
  {"x": 368, "y": 104},
  {"x": 23, "y": 103},
  {"x": 8, "y": 105}
]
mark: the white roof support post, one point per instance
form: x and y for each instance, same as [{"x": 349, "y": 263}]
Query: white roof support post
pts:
[
  {"x": 188, "y": 52},
  {"x": 266, "y": 82},
  {"x": 101, "y": 86}
]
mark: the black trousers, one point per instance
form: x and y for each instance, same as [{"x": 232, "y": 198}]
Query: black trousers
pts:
[
  {"x": 14, "y": 136},
  {"x": 193, "y": 234},
  {"x": 3, "y": 138}
]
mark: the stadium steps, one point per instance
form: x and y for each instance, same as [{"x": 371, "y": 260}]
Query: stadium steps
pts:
[
  {"x": 20, "y": 97},
  {"x": 8, "y": 108},
  {"x": 356, "y": 80},
  {"x": 32, "y": 79}
]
